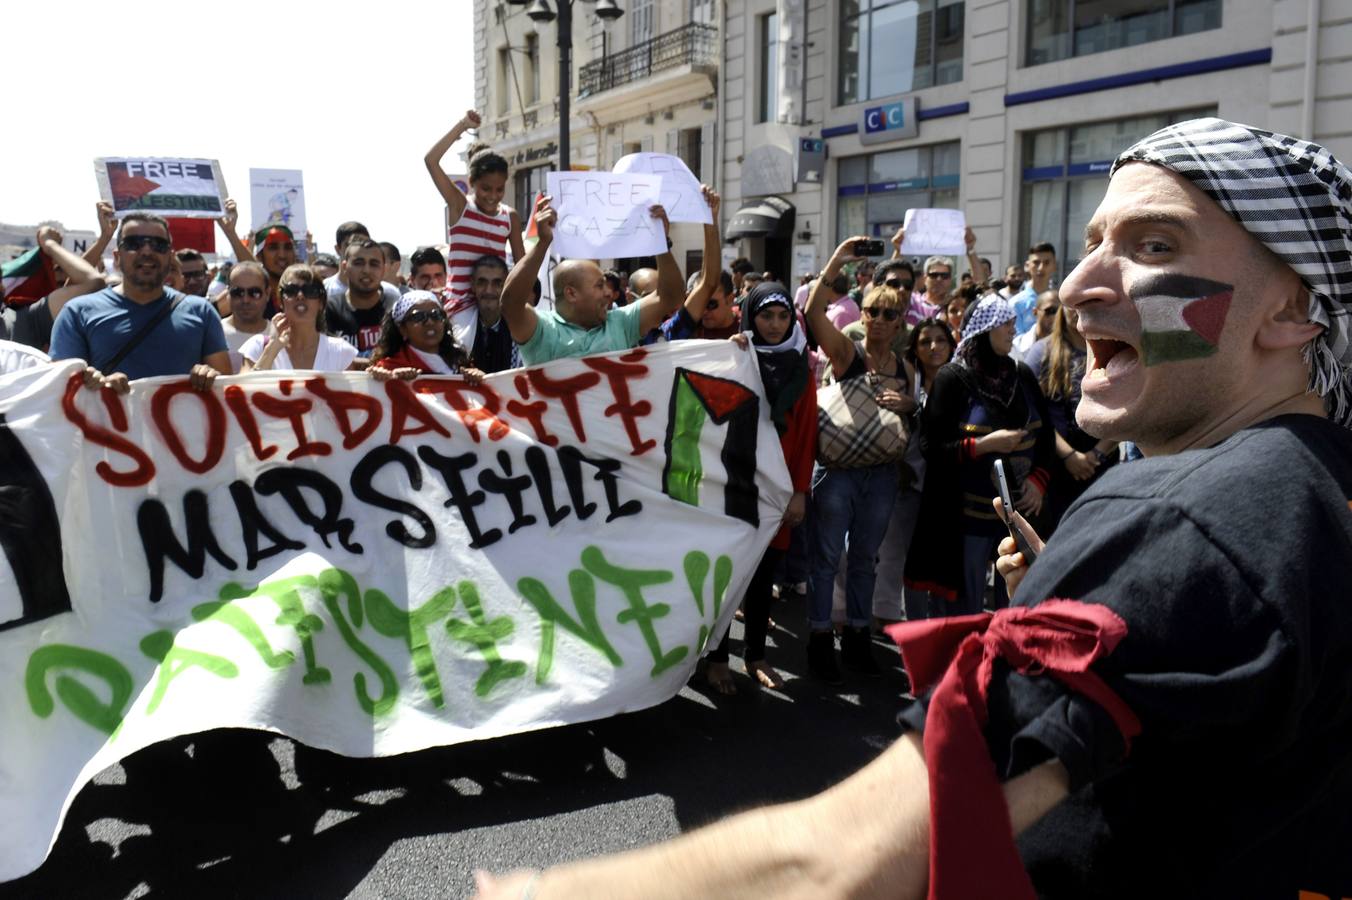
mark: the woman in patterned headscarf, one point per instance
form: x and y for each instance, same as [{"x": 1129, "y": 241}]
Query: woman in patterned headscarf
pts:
[{"x": 982, "y": 406}]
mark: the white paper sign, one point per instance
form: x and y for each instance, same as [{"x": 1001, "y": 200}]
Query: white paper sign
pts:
[
  {"x": 603, "y": 215},
  {"x": 804, "y": 260},
  {"x": 277, "y": 197},
  {"x": 182, "y": 188},
  {"x": 931, "y": 232},
  {"x": 681, "y": 195},
  {"x": 360, "y": 566}
]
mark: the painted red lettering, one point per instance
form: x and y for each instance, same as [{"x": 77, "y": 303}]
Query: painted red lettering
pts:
[
  {"x": 405, "y": 405},
  {"x": 533, "y": 412},
  {"x": 566, "y": 390},
  {"x": 294, "y": 411},
  {"x": 342, "y": 404},
  {"x": 238, "y": 401},
  {"x": 470, "y": 416},
  {"x": 97, "y": 434},
  {"x": 618, "y": 372},
  {"x": 215, "y": 439}
]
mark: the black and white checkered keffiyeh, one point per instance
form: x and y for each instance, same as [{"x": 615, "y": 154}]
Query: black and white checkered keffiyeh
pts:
[{"x": 1296, "y": 198}]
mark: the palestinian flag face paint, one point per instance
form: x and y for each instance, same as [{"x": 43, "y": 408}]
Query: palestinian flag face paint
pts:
[{"x": 1181, "y": 317}]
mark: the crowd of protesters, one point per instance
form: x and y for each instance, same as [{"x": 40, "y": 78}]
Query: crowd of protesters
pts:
[{"x": 957, "y": 373}]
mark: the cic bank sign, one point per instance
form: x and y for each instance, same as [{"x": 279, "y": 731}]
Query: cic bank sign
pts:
[{"x": 888, "y": 122}]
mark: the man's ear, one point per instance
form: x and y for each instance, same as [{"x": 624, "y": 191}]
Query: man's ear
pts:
[{"x": 1286, "y": 318}]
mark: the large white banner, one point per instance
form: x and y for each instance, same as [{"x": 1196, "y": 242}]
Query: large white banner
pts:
[{"x": 370, "y": 568}]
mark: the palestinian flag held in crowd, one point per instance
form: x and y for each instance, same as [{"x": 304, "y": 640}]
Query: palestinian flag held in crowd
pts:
[
  {"x": 1181, "y": 317},
  {"x": 28, "y": 278}
]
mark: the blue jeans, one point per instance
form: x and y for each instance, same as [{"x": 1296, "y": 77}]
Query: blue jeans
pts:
[
  {"x": 977, "y": 553},
  {"x": 858, "y": 503}
]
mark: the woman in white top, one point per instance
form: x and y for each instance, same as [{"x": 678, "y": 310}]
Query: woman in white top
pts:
[{"x": 301, "y": 342}]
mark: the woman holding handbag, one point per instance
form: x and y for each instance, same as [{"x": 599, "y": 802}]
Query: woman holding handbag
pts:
[{"x": 862, "y": 436}]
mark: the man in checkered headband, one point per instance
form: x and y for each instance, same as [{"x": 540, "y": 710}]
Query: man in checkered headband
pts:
[{"x": 1232, "y": 246}]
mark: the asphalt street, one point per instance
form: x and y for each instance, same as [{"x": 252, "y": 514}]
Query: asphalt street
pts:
[{"x": 248, "y": 814}]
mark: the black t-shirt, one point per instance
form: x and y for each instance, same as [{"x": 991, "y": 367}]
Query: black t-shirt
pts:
[
  {"x": 1232, "y": 568},
  {"x": 359, "y": 327}
]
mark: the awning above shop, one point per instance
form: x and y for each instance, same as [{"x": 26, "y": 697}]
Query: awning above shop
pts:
[{"x": 768, "y": 217}]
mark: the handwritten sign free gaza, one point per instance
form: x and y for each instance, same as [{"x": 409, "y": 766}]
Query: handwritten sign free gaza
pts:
[
  {"x": 603, "y": 215},
  {"x": 358, "y": 565}
]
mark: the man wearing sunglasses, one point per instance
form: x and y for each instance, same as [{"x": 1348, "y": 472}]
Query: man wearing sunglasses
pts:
[{"x": 141, "y": 326}]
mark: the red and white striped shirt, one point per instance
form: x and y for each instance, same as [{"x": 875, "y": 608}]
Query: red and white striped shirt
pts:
[{"x": 476, "y": 234}]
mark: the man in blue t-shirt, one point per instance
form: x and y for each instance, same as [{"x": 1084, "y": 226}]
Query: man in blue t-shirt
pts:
[
  {"x": 1040, "y": 267},
  {"x": 97, "y": 327}
]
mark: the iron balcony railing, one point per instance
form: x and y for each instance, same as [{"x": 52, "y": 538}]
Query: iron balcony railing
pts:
[{"x": 692, "y": 44}]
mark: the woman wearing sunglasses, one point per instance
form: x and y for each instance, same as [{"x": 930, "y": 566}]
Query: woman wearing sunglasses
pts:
[
  {"x": 300, "y": 342},
  {"x": 853, "y": 501},
  {"x": 414, "y": 341},
  {"x": 246, "y": 298}
]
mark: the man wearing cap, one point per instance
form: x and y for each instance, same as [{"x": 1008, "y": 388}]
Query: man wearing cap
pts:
[
  {"x": 582, "y": 321},
  {"x": 1164, "y": 710}
]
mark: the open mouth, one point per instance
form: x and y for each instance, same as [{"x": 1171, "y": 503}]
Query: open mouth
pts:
[{"x": 1109, "y": 356}]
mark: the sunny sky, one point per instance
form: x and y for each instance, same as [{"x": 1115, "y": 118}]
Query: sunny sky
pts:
[{"x": 352, "y": 94}]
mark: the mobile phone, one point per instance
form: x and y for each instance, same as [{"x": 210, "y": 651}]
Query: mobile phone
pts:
[
  {"x": 1020, "y": 541},
  {"x": 868, "y": 248}
]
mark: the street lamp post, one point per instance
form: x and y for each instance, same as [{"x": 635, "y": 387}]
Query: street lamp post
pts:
[{"x": 542, "y": 13}]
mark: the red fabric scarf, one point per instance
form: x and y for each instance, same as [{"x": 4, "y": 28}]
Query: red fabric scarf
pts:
[{"x": 972, "y": 850}]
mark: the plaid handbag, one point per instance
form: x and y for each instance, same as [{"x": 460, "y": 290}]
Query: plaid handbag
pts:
[{"x": 853, "y": 431}]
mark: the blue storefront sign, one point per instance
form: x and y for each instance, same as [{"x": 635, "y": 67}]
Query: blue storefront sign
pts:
[{"x": 888, "y": 122}]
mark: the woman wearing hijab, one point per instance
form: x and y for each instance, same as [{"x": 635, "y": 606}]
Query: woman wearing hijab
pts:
[
  {"x": 853, "y": 501},
  {"x": 414, "y": 341},
  {"x": 781, "y": 351},
  {"x": 982, "y": 406}
]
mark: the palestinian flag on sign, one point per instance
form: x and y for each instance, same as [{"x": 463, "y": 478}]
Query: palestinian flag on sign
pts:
[
  {"x": 1181, "y": 317},
  {"x": 28, "y": 278}
]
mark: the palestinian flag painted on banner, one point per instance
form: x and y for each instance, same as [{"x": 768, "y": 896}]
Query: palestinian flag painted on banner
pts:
[
  {"x": 28, "y": 278},
  {"x": 1181, "y": 317}
]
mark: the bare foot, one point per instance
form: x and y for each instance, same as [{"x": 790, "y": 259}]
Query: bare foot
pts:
[
  {"x": 763, "y": 674},
  {"x": 719, "y": 677}
]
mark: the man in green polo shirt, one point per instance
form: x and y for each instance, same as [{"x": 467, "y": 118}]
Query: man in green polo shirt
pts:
[{"x": 582, "y": 321}]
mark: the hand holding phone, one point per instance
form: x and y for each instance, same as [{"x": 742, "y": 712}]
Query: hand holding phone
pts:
[
  {"x": 1007, "y": 506},
  {"x": 868, "y": 248}
]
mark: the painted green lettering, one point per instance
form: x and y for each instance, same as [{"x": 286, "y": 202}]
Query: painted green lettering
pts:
[
  {"x": 631, "y": 583},
  {"x": 83, "y": 703},
  {"x": 412, "y": 626},
  {"x": 585, "y": 627},
  {"x": 174, "y": 661},
  {"x": 333, "y": 582},
  {"x": 286, "y": 594},
  {"x": 484, "y": 635},
  {"x": 231, "y": 614}
]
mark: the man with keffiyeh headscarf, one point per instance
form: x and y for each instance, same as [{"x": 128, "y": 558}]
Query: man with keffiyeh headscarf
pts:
[{"x": 1165, "y": 709}]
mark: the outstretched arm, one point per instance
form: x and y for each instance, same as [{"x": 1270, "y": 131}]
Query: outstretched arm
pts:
[
  {"x": 698, "y": 299},
  {"x": 793, "y": 850},
  {"x": 107, "y": 228},
  {"x": 228, "y": 223},
  {"x": 518, "y": 290},
  {"x": 656, "y": 307},
  {"x": 454, "y": 197},
  {"x": 84, "y": 278},
  {"x": 838, "y": 348}
]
